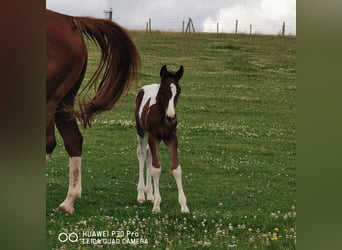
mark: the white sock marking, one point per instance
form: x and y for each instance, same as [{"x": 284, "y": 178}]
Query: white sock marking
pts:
[
  {"x": 157, "y": 199},
  {"x": 177, "y": 173},
  {"x": 141, "y": 153},
  {"x": 149, "y": 188},
  {"x": 47, "y": 157},
  {"x": 75, "y": 185}
]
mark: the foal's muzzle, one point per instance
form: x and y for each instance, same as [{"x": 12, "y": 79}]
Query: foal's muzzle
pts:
[{"x": 170, "y": 119}]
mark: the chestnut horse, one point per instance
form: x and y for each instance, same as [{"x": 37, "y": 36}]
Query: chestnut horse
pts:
[
  {"x": 66, "y": 63},
  {"x": 155, "y": 113}
]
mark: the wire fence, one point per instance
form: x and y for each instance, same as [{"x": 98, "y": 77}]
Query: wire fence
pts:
[{"x": 225, "y": 26}]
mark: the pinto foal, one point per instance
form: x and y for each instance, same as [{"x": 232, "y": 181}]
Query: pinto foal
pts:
[{"x": 155, "y": 113}]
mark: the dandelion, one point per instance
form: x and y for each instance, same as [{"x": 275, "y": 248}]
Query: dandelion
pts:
[
  {"x": 276, "y": 229},
  {"x": 250, "y": 229},
  {"x": 274, "y": 238}
]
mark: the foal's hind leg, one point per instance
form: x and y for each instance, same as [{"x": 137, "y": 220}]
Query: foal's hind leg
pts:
[
  {"x": 144, "y": 155},
  {"x": 73, "y": 140},
  {"x": 153, "y": 143}
]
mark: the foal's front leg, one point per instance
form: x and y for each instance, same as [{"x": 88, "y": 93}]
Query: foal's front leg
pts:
[
  {"x": 149, "y": 188},
  {"x": 141, "y": 153},
  {"x": 155, "y": 171},
  {"x": 172, "y": 145}
]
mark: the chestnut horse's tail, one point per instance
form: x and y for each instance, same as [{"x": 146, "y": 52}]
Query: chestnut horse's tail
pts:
[{"x": 118, "y": 67}]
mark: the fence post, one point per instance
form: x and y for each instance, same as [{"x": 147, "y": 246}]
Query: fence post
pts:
[
  {"x": 189, "y": 26},
  {"x": 250, "y": 29},
  {"x": 149, "y": 25},
  {"x": 217, "y": 27},
  {"x": 109, "y": 13},
  {"x": 192, "y": 25},
  {"x": 236, "y": 26},
  {"x": 283, "y": 29},
  {"x": 183, "y": 26}
]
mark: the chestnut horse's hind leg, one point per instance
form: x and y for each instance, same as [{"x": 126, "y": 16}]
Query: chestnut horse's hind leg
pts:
[
  {"x": 75, "y": 185},
  {"x": 73, "y": 139},
  {"x": 50, "y": 130}
]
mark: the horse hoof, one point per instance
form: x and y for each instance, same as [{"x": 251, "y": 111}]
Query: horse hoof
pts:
[
  {"x": 150, "y": 198},
  {"x": 141, "y": 201},
  {"x": 185, "y": 209},
  {"x": 62, "y": 208},
  {"x": 156, "y": 210}
]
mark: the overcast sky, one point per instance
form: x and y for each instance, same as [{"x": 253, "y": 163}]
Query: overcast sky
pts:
[{"x": 265, "y": 16}]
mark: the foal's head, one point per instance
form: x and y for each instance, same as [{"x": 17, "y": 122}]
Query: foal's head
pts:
[{"x": 169, "y": 91}]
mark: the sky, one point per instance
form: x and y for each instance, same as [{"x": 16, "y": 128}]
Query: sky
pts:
[{"x": 265, "y": 16}]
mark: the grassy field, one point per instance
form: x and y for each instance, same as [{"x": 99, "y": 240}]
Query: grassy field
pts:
[{"x": 237, "y": 147}]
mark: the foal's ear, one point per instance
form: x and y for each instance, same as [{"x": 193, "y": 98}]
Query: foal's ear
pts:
[
  {"x": 179, "y": 73},
  {"x": 163, "y": 72}
]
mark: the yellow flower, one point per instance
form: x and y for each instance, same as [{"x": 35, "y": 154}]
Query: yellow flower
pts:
[
  {"x": 274, "y": 238},
  {"x": 250, "y": 229},
  {"x": 276, "y": 229}
]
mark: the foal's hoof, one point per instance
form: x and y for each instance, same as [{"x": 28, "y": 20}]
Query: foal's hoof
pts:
[
  {"x": 156, "y": 210},
  {"x": 141, "y": 197},
  {"x": 66, "y": 209},
  {"x": 150, "y": 198},
  {"x": 185, "y": 209}
]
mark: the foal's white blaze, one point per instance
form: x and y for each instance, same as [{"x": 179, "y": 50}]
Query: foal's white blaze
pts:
[
  {"x": 150, "y": 92},
  {"x": 75, "y": 187},
  {"x": 171, "y": 112}
]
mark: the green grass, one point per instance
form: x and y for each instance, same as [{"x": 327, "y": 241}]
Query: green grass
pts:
[{"x": 237, "y": 146}]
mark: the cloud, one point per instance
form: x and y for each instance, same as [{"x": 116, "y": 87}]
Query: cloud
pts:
[
  {"x": 266, "y": 16},
  {"x": 280, "y": 9},
  {"x": 79, "y": 8}
]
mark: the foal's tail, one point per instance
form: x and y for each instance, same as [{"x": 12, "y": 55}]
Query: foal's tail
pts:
[{"x": 118, "y": 67}]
